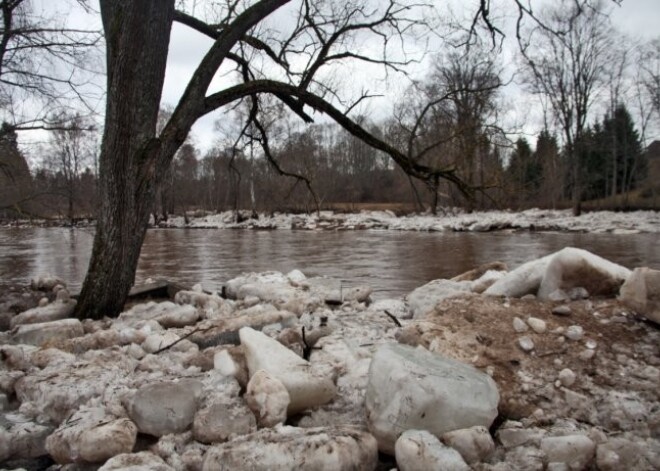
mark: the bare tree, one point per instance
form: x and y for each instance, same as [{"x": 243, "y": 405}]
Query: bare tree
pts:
[
  {"x": 44, "y": 65},
  {"x": 289, "y": 60},
  {"x": 447, "y": 120},
  {"x": 73, "y": 148},
  {"x": 649, "y": 73},
  {"x": 567, "y": 55}
]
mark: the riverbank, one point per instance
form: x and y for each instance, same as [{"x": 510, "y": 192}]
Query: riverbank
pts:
[
  {"x": 541, "y": 367},
  {"x": 530, "y": 220}
]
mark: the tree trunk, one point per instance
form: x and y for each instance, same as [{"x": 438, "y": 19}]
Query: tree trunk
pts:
[
  {"x": 70, "y": 204},
  {"x": 137, "y": 36},
  {"x": 576, "y": 177}
]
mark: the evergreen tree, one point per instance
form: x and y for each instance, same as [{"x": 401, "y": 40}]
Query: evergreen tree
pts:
[
  {"x": 623, "y": 146},
  {"x": 15, "y": 179},
  {"x": 525, "y": 172},
  {"x": 591, "y": 149},
  {"x": 548, "y": 158}
]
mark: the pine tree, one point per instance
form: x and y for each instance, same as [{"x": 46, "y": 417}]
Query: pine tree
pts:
[
  {"x": 627, "y": 166},
  {"x": 525, "y": 171}
]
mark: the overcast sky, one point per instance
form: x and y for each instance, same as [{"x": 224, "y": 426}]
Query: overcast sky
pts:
[{"x": 638, "y": 18}]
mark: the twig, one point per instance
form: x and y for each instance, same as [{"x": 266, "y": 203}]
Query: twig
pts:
[
  {"x": 194, "y": 331},
  {"x": 393, "y": 317},
  {"x": 552, "y": 352}
]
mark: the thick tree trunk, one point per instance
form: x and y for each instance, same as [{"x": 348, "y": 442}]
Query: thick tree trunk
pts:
[{"x": 137, "y": 36}]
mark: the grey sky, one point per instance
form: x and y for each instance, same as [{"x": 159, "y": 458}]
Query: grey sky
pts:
[{"x": 638, "y": 18}]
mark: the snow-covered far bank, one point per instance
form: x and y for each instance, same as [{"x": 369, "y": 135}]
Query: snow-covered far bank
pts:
[{"x": 530, "y": 220}]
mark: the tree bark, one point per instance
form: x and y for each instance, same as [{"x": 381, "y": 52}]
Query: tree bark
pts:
[{"x": 137, "y": 36}]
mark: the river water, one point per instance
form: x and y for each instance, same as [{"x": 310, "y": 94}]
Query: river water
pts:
[{"x": 393, "y": 263}]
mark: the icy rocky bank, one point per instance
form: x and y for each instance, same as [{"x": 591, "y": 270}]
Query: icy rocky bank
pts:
[
  {"x": 533, "y": 219},
  {"x": 552, "y": 365}
]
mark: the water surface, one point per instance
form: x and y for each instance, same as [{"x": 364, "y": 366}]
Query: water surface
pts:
[{"x": 393, "y": 263}]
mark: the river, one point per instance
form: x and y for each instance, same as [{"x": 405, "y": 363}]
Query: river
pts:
[{"x": 393, "y": 263}]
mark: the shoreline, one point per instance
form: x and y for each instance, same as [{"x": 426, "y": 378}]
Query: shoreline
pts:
[
  {"x": 532, "y": 220},
  {"x": 290, "y": 366}
]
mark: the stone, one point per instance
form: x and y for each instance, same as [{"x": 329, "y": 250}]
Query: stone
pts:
[
  {"x": 143, "y": 461},
  {"x": 423, "y": 300},
  {"x": 40, "y": 333},
  {"x": 526, "y": 344},
  {"x": 558, "y": 295},
  {"x": 340, "y": 448},
  {"x": 267, "y": 398},
  {"x": 474, "y": 444},
  {"x": 306, "y": 386},
  {"x": 166, "y": 407},
  {"x": 586, "y": 355},
  {"x": 411, "y": 388},
  {"x": 567, "y": 377},
  {"x": 21, "y": 438},
  {"x": 519, "y": 325},
  {"x": 576, "y": 451},
  {"x": 45, "y": 282},
  {"x": 222, "y": 421},
  {"x": 538, "y": 325},
  {"x": 563, "y": 310},
  {"x": 90, "y": 435},
  {"x": 419, "y": 450},
  {"x": 4, "y": 402},
  {"x": 641, "y": 292},
  {"x": 574, "y": 332},
  {"x": 50, "y": 312}
]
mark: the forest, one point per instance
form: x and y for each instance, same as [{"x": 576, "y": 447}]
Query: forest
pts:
[{"x": 595, "y": 145}]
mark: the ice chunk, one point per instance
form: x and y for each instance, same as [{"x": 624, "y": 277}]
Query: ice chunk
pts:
[
  {"x": 306, "y": 387},
  {"x": 413, "y": 388}
]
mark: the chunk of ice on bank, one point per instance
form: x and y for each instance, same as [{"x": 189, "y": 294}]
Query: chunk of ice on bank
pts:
[
  {"x": 307, "y": 387},
  {"x": 412, "y": 388},
  {"x": 90, "y": 435},
  {"x": 566, "y": 269},
  {"x": 423, "y": 300},
  {"x": 418, "y": 449},
  {"x": 307, "y": 449}
]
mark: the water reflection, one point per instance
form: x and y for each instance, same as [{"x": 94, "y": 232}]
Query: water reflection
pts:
[{"x": 391, "y": 262}]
